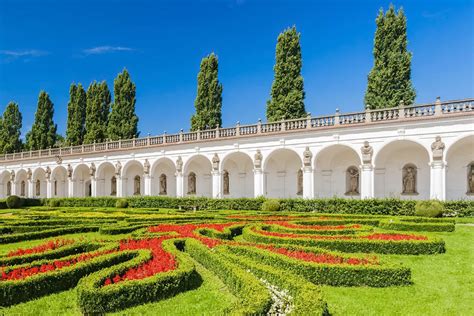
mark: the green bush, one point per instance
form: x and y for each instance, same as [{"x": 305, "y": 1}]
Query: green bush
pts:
[
  {"x": 122, "y": 203},
  {"x": 54, "y": 203},
  {"x": 14, "y": 201},
  {"x": 271, "y": 205},
  {"x": 430, "y": 208}
]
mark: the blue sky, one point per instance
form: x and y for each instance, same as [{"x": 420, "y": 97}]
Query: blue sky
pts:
[{"x": 47, "y": 45}]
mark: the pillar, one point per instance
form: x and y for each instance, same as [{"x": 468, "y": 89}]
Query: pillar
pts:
[
  {"x": 14, "y": 183},
  {"x": 367, "y": 181},
  {"x": 179, "y": 184},
  {"x": 147, "y": 178},
  {"x": 31, "y": 189},
  {"x": 258, "y": 182},
  {"x": 438, "y": 180},
  {"x": 216, "y": 184},
  {"x": 70, "y": 187},
  {"x": 49, "y": 188},
  {"x": 93, "y": 187},
  {"x": 308, "y": 182},
  {"x": 120, "y": 186}
]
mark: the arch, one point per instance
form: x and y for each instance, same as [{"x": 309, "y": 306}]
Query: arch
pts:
[
  {"x": 201, "y": 166},
  {"x": 39, "y": 182},
  {"x": 331, "y": 166},
  {"x": 21, "y": 180},
  {"x": 105, "y": 183},
  {"x": 130, "y": 171},
  {"x": 4, "y": 178},
  {"x": 459, "y": 160},
  {"x": 81, "y": 181},
  {"x": 60, "y": 182},
  {"x": 281, "y": 173},
  {"x": 389, "y": 163},
  {"x": 167, "y": 185},
  {"x": 239, "y": 167}
]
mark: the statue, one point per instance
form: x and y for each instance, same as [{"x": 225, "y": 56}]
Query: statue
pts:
[
  {"x": 179, "y": 164},
  {"x": 258, "y": 159},
  {"x": 59, "y": 160},
  {"x": 470, "y": 179},
  {"x": 118, "y": 168},
  {"x": 299, "y": 190},
  {"x": 113, "y": 186},
  {"x": 352, "y": 181},
  {"x": 9, "y": 188},
  {"x": 367, "y": 152},
  {"x": 136, "y": 186},
  {"x": 29, "y": 174},
  {"x": 69, "y": 170},
  {"x": 437, "y": 148},
  {"x": 48, "y": 173},
  {"x": 192, "y": 183},
  {"x": 307, "y": 155},
  {"x": 409, "y": 180},
  {"x": 226, "y": 183},
  {"x": 38, "y": 187},
  {"x": 215, "y": 162},
  {"x": 163, "y": 190},
  {"x": 146, "y": 167},
  {"x": 22, "y": 188},
  {"x": 12, "y": 176},
  {"x": 92, "y": 170}
]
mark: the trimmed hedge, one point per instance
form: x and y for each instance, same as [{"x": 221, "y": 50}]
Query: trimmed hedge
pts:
[
  {"x": 394, "y": 224},
  {"x": 5, "y": 239},
  {"x": 24, "y": 202}
]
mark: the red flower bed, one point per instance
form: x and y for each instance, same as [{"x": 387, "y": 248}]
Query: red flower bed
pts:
[
  {"x": 291, "y": 235},
  {"x": 395, "y": 237},
  {"x": 313, "y": 227},
  {"x": 50, "y": 245}
]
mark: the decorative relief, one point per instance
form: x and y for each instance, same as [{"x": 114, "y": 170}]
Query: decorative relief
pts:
[
  {"x": 437, "y": 147},
  {"x": 367, "y": 153}
]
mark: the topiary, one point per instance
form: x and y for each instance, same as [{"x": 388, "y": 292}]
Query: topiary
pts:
[
  {"x": 430, "y": 208},
  {"x": 14, "y": 201},
  {"x": 121, "y": 203},
  {"x": 271, "y": 205}
]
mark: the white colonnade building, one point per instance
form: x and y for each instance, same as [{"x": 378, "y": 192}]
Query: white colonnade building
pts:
[{"x": 413, "y": 152}]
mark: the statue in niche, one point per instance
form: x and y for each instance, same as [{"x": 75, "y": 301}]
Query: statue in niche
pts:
[
  {"x": 179, "y": 164},
  {"x": 29, "y": 174},
  {"x": 22, "y": 188},
  {"x": 437, "y": 148},
  {"x": 146, "y": 167},
  {"x": 118, "y": 169},
  {"x": 352, "y": 182},
  {"x": 299, "y": 190},
  {"x": 470, "y": 179},
  {"x": 367, "y": 152},
  {"x": 163, "y": 189},
  {"x": 409, "y": 179},
  {"x": 307, "y": 156},
  {"x": 136, "y": 186},
  {"x": 192, "y": 183},
  {"x": 9, "y": 188},
  {"x": 215, "y": 162},
  {"x": 113, "y": 186},
  {"x": 55, "y": 187},
  {"x": 258, "y": 159},
  {"x": 12, "y": 176},
  {"x": 48, "y": 173},
  {"x": 225, "y": 177},
  {"x": 92, "y": 170},
  {"x": 69, "y": 170},
  {"x": 38, "y": 188}
]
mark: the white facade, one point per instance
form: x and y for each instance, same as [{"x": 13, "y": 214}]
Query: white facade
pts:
[{"x": 308, "y": 158}]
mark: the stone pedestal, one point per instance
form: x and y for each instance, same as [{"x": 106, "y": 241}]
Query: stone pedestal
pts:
[
  {"x": 216, "y": 184},
  {"x": 438, "y": 180},
  {"x": 308, "y": 183},
  {"x": 179, "y": 184},
  {"x": 147, "y": 178},
  {"x": 258, "y": 183},
  {"x": 367, "y": 181}
]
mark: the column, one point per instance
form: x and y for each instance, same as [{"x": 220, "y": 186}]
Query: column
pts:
[
  {"x": 93, "y": 187},
  {"x": 120, "y": 185},
  {"x": 14, "y": 188},
  {"x": 308, "y": 182},
  {"x": 179, "y": 184},
  {"x": 258, "y": 182},
  {"x": 70, "y": 187},
  {"x": 216, "y": 184},
  {"x": 31, "y": 189},
  {"x": 49, "y": 188},
  {"x": 367, "y": 181},
  {"x": 147, "y": 178},
  {"x": 438, "y": 180}
]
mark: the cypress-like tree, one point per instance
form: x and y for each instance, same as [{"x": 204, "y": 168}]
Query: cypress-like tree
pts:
[
  {"x": 10, "y": 129},
  {"x": 97, "y": 112},
  {"x": 208, "y": 101},
  {"x": 43, "y": 132},
  {"x": 287, "y": 95},
  {"x": 76, "y": 114},
  {"x": 389, "y": 81},
  {"x": 123, "y": 121}
]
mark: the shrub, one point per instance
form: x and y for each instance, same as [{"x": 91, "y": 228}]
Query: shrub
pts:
[
  {"x": 14, "y": 201},
  {"x": 429, "y": 208},
  {"x": 54, "y": 203},
  {"x": 122, "y": 203},
  {"x": 271, "y": 205}
]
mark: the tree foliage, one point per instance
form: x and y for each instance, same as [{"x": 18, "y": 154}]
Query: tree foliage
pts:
[
  {"x": 287, "y": 95},
  {"x": 389, "y": 81},
  {"x": 10, "y": 129},
  {"x": 123, "y": 122},
  {"x": 76, "y": 115},
  {"x": 208, "y": 101},
  {"x": 43, "y": 132},
  {"x": 97, "y": 112}
]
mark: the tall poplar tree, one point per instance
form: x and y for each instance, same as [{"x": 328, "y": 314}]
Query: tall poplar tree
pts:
[
  {"x": 43, "y": 132},
  {"x": 123, "y": 122},
  {"x": 389, "y": 81},
  {"x": 287, "y": 95},
  {"x": 10, "y": 129},
  {"x": 208, "y": 101},
  {"x": 76, "y": 115},
  {"x": 97, "y": 112}
]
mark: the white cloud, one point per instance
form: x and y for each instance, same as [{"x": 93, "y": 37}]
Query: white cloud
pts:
[
  {"x": 26, "y": 55},
  {"x": 106, "y": 49}
]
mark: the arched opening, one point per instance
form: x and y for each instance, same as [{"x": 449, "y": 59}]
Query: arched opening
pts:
[
  {"x": 335, "y": 170},
  {"x": 163, "y": 177},
  {"x": 4, "y": 179},
  {"x": 22, "y": 183},
  {"x": 401, "y": 168},
  {"x": 60, "y": 184},
  {"x": 281, "y": 174},
  {"x": 39, "y": 183},
  {"x": 198, "y": 168},
  {"x": 106, "y": 181},
  {"x": 237, "y": 175},
  {"x": 132, "y": 177},
  {"x": 81, "y": 181},
  {"x": 460, "y": 169}
]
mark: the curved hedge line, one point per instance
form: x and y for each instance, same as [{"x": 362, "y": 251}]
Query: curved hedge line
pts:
[{"x": 5, "y": 239}]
